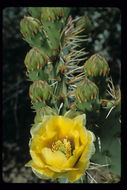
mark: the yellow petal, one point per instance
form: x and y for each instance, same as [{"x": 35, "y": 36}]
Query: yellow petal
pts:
[
  {"x": 56, "y": 159},
  {"x": 75, "y": 175},
  {"x": 37, "y": 159},
  {"x": 43, "y": 173},
  {"x": 80, "y": 119},
  {"x": 75, "y": 137},
  {"x": 74, "y": 158}
]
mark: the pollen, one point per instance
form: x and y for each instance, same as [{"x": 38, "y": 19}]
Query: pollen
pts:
[{"x": 64, "y": 146}]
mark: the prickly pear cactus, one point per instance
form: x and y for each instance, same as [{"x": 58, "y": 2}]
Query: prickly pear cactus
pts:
[{"x": 65, "y": 80}]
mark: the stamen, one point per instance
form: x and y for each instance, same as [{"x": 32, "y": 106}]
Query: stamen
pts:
[{"x": 64, "y": 146}]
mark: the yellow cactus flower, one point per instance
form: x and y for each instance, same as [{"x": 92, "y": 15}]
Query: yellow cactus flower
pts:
[{"x": 61, "y": 147}]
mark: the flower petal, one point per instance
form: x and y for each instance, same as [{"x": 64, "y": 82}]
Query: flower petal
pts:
[
  {"x": 55, "y": 159},
  {"x": 74, "y": 158}
]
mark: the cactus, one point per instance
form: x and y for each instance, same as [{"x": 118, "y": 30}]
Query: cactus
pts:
[{"x": 65, "y": 81}]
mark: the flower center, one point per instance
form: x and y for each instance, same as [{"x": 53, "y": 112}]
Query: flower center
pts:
[{"x": 64, "y": 146}]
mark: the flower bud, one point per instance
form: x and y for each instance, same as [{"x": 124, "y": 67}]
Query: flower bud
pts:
[
  {"x": 97, "y": 70},
  {"x": 35, "y": 63},
  {"x": 96, "y": 65},
  {"x": 40, "y": 93},
  {"x": 34, "y": 60},
  {"x": 29, "y": 26},
  {"x": 33, "y": 34},
  {"x": 42, "y": 112},
  {"x": 84, "y": 23},
  {"x": 87, "y": 95}
]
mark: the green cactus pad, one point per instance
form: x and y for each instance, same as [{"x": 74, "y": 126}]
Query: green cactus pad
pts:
[
  {"x": 110, "y": 146},
  {"x": 40, "y": 93},
  {"x": 87, "y": 95}
]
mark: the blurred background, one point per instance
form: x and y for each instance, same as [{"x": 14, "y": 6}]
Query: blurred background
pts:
[{"x": 105, "y": 39}]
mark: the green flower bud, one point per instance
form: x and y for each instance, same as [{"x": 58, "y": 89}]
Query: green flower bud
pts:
[
  {"x": 32, "y": 32},
  {"x": 87, "y": 95},
  {"x": 35, "y": 60},
  {"x": 44, "y": 111},
  {"x": 35, "y": 63},
  {"x": 40, "y": 93},
  {"x": 29, "y": 26},
  {"x": 96, "y": 65},
  {"x": 85, "y": 24},
  {"x": 97, "y": 70}
]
